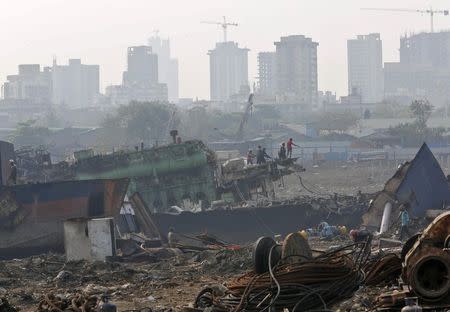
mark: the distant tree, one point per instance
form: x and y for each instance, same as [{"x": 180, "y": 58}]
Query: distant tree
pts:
[
  {"x": 52, "y": 119},
  {"x": 196, "y": 123},
  {"x": 28, "y": 134},
  {"x": 337, "y": 122},
  {"x": 421, "y": 111},
  {"x": 144, "y": 121},
  {"x": 367, "y": 114},
  {"x": 267, "y": 112},
  {"x": 417, "y": 132}
]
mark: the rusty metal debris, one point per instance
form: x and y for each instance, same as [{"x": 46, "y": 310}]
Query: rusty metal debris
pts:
[
  {"x": 5, "y": 306},
  {"x": 310, "y": 284},
  {"x": 427, "y": 263},
  {"x": 31, "y": 214},
  {"x": 74, "y": 303},
  {"x": 383, "y": 269}
]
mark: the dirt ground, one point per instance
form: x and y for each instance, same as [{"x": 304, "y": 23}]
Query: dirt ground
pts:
[
  {"x": 344, "y": 178},
  {"x": 168, "y": 285},
  {"x": 173, "y": 283}
]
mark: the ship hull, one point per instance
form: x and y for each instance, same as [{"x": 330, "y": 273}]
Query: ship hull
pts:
[{"x": 32, "y": 215}]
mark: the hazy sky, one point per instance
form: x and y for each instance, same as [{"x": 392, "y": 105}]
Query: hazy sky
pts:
[{"x": 99, "y": 31}]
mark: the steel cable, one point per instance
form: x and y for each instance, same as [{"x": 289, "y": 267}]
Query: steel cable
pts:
[{"x": 307, "y": 285}]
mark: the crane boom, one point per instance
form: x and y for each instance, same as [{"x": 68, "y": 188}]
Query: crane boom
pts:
[
  {"x": 387, "y": 9},
  {"x": 248, "y": 110},
  {"x": 224, "y": 25},
  {"x": 427, "y": 11}
]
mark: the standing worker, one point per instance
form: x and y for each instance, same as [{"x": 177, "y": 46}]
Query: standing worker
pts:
[
  {"x": 172, "y": 238},
  {"x": 250, "y": 157},
  {"x": 12, "y": 179},
  {"x": 404, "y": 218},
  {"x": 265, "y": 155},
  {"x": 259, "y": 156},
  {"x": 290, "y": 144},
  {"x": 282, "y": 151}
]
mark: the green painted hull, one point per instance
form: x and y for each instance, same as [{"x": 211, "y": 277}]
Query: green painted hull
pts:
[{"x": 164, "y": 176}]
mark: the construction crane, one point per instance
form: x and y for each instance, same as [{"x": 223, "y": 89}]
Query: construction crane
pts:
[
  {"x": 224, "y": 25},
  {"x": 248, "y": 110},
  {"x": 427, "y": 11}
]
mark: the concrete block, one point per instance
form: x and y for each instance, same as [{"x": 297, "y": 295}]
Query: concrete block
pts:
[
  {"x": 102, "y": 238},
  {"x": 89, "y": 239},
  {"x": 76, "y": 240}
]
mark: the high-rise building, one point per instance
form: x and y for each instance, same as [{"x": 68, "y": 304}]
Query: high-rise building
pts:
[
  {"x": 296, "y": 58},
  {"x": 75, "y": 85},
  {"x": 267, "y": 63},
  {"x": 423, "y": 70},
  {"x": 142, "y": 66},
  {"x": 140, "y": 80},
  {"x": 167, "y": 66},
  {"x": 29, "y": 84},
  {"x": 365, "y": 67},
  {"x": 228, "y": 68},
  {"x": 426, "y": 49}
]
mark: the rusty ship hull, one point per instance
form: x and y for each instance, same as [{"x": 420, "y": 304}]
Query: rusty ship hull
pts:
[{"x": 32, "y": 215}]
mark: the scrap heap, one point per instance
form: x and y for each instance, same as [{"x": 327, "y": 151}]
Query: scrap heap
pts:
[{"x": 289, "y": 276}]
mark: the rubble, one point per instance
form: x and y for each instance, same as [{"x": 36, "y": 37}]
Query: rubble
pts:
[
  {"x": 5, "y": 306},
  {"x": 215, "y": 267},
  {"x": 427, "y": 262}
]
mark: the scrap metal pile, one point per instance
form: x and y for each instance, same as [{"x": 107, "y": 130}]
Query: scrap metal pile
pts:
[
  {"x": 288, "y": 276},
  {"x": 425, "y": 259},
  {"x": 76, "y": 302},
  {"x": 382, "y": 269},
  {"x": 292, "y": 276}
]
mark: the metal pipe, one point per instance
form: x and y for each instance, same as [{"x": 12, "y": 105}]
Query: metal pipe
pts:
[{"x": 386, "y": 217}]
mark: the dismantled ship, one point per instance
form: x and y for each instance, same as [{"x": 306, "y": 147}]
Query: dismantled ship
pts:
[
  {"x": 32, "y": 215},
  {"x": 185, "y": 174}
]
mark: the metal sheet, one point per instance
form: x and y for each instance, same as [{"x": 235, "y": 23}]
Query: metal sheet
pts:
[
  {"x": 43, "y": 208},
  {"x": 420, "y": 182}
]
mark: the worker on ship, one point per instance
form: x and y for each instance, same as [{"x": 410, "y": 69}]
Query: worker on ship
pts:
[
  {"x": 282, "y": 151},
  {"x": 290, "y": 144},
  {"x": 265, "y": 155},
  {"x": 259, "y": 156},
  {"x": 12, "y": 179},
  {"x": 250, "y": 157}
]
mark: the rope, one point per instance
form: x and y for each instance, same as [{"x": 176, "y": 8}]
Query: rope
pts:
[
  {"x": 311, "y": 191},
  {"x": 252, "y": 210}
]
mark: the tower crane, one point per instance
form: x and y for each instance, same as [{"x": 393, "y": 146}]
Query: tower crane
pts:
[
  {"x": 224, "y": 25},
  {"x": 427, "y": 11}
]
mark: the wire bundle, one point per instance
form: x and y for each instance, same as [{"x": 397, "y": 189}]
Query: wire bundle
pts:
[
  {"x": 384, "y": 269},
  {"x": 303, "y": 286}
]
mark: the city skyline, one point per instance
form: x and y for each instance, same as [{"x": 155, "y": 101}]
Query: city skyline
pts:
[{"x": 103, "y": 37}]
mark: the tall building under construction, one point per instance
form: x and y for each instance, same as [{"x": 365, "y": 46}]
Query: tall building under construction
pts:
[{"x": 423, "y": 70}]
